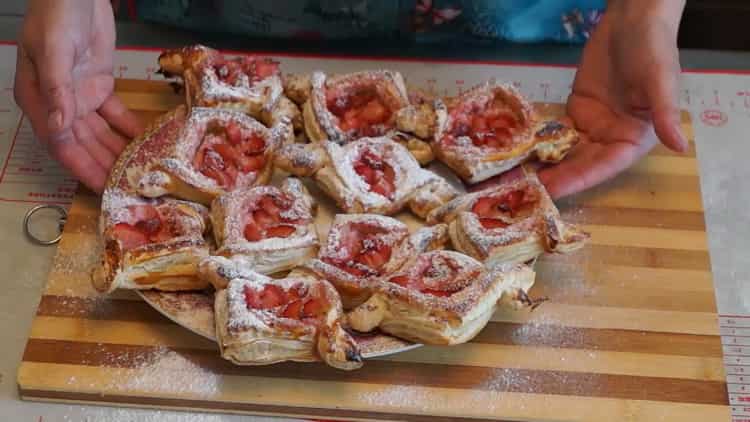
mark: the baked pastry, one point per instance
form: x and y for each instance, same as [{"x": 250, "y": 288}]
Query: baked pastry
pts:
[
  {"x": 250, "y": 84},
  {"x": 216, "y": 151},
  {"x": 260, "y": 320},
  {"x": 442, "y": 297},
  {"x": 511, "y": 222},
  {"x": 364, "y": 247},
  {"x": 372, "y": 175},
  {"x": 272, "y": 228},
  {"x": 491, "y": 128},
  {"x": 150, "y": 243},
  {"x": 344, "y": 108}
]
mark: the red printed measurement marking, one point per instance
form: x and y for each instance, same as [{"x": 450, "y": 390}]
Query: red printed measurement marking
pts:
[
  {"x": 715, "y": 118},
  {"x": 150, "y": 70},
  {"x": 545, "y": 89},
  {"x": 460, "y": 84},
  {"x": 121, "y": 70}
]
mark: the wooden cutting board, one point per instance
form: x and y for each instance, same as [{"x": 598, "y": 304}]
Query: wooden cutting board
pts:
[{"x": 630, "y": 331}]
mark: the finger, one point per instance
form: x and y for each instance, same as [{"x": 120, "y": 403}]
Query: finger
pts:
[
  {"x": 104, "y": 134},
  {"x": 80, "y": 162},
  {"x": 27, "y": 96},
  {"x": 85, "y": 137},
  {"x": 119, "y": 117},
  {"x": 54, "y": 65},
  {"x": 663, "y": 97}
]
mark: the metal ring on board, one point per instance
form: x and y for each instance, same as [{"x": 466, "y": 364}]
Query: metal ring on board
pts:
[{"x": 63, "y": 218}]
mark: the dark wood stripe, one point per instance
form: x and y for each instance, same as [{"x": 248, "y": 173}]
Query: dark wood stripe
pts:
[
  {"x": 634, "y": 217},
  {"x": 568, "y": 287},
  {"x": 646, "y": 185},
  {"x": 248, "y": 408},
  {"x": 398, "y": 373},
  {"x": 604, "y": 339},
  {"x": 505, "y": 333},
  {"x": 636, "y": 257}
]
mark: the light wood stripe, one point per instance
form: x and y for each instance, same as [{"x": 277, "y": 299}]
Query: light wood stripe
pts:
[
  {"x": 634, "y": 257},
  {"x": 701, "y": 323},
  {"x": 471, "y": 354},
  {"x": 646, "y": 237},
  {"x": 570, "y": 278},
  {"x": 574, "y": 360},
  {"x": 648, "y": 298},
  {"x": 631, "y": 189},
  {"x": 660, "y": 164},
  {"x": 633, "y": 217},
  {"x": 398, "y": 373}
]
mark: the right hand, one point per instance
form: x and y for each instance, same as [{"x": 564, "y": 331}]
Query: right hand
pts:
[{"x": 64, "y": 84}]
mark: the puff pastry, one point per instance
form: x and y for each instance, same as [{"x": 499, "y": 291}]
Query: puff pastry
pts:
[
  {"x": 250, "y": 84},
  {"x": 372, "y": 175},
  {"x": 491, "y": 128},
  {"x": 272, "y": 228},
  {"x": 442, "y": 297},
  {"x": 215, "y": 151},
  {"x": 260, "y": 320},
  {"x": 150, "y": 244},
  {"x": 344, "y": 108},
  {"x": 512, "y": 222},
  {"x": 364, "y": 247}
]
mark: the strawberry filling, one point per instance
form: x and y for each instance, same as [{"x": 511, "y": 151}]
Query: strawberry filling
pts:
[
  {"x": 269, "y": 219},
  {"x": 364, "y": 252},
  {"x": 231, "y": 71},
  {"x": 360, "y": 110},
  {"x": 294, "y": 303},
  {"x": 228, "y": 150},
  {"x": 145, "y": 226},
  {"x": 377, "y": 173},
  {"x": 489, "y": 127},
  {"x": 499, "y": 211},
  {"x": 436, "y": 276}
]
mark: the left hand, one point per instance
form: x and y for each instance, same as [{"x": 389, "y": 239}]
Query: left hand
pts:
[{"x": 625, "y": 94}]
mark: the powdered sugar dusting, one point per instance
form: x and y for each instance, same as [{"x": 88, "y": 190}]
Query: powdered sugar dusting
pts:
[{"x": 409, "y": 176}]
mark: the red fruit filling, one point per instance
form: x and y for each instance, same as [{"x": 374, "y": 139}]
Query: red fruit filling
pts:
[
  {"x": 361, "y": 110},
  {"x": 145, "y": 226},
  {"x": 226, "y": 151},
  {"x": 267, "y": 219},
  {"x": 377, "y": 173},
  {"x": 294, "y": 303},
  {"x": 364, "y": 253},
  {"x": 495, "y": 211},
  {"x": 256, "y": 69}
]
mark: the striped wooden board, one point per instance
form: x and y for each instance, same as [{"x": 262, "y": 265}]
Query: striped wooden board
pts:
[{"x": 630, "y": 332}]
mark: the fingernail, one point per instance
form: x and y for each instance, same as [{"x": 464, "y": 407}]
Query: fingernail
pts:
[{"x": 55, "y": 120}]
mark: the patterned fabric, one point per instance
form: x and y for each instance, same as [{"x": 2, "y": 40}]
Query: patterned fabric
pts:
[{"x": 415, "y": 20}]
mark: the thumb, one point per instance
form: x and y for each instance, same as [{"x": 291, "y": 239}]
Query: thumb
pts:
[
  {"x": 663, "y": 99},
  {"x": 55, "y": 71}
]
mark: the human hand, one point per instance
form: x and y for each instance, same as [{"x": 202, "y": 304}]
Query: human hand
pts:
[
  {"x": 64, "y": 84},
  {"x": 625, "y": 94}
]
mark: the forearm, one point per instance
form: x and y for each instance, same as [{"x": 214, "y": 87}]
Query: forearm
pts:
[{"x": 667, "y": 12}]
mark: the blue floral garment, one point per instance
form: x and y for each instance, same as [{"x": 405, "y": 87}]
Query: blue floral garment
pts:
[{"x": 418, "y": 20}]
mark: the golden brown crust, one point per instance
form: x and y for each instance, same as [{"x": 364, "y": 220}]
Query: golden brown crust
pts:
[
  {"x": 538, "y": 228},
  {"x": 549, "y": 141},
  {"x": 262, "y": 99},
  {"x": 248, "y": 336},
  {"x": 173, "y": 172},
  {"x": 355, "y": 289},
  {"x": 446, "y": 318},
  {"x": 333, "y": 168},
  {"x": 269, "y": 255}
]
